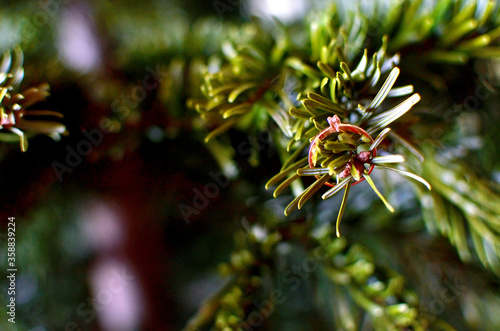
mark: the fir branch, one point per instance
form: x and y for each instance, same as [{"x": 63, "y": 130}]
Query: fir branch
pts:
[
  {"x": 338, "y": 118},
  {"x": 458, "y": 29},
  {"x": 464, "y": 209},
  {"x": 247, "y": 81},
  {"x": 14, "y": 117},
  {"x": 244, "y": 273},
  {"x": 388, "y": 302}
]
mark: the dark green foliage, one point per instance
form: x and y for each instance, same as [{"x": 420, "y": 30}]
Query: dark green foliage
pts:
[{"x": 351, "y": 91}]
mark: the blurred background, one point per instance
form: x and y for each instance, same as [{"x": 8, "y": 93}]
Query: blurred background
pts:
[
  {"x": 102, "y": 246},
  {"x": 101, "y": 241}
]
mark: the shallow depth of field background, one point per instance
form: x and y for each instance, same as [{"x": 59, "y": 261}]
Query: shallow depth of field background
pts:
[{"x": 103, "y": 246}]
